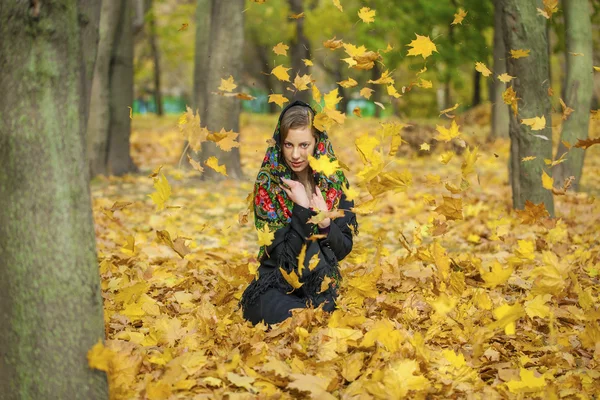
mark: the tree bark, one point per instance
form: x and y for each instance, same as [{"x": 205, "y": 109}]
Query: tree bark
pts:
[
  {"x": 89, "y": 25},
  {"x": 227, "y": 40},
  {"x": 500, "y": 116},
  {"x": 300, "y": 49},
  {"x": 578, "y": 88},
  {"x": 522, "y": 30},
  {"x": 376, "y": 95},
  {"x": 118, "y": 161},
  {"x": 476, "y": 89},
  {"x": 156, "y": 59},
  {"x": 50, "y": 303},
  {"x": 99, "y": 118}
]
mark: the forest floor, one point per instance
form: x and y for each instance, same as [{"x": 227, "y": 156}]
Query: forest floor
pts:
[{"x": 497, "y": 304}]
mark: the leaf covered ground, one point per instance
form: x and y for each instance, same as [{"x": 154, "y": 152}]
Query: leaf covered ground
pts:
[{"x": 448, "y": 293}]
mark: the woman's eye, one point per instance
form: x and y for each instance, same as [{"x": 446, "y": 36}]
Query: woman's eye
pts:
[{"x": 305, "y": 145}]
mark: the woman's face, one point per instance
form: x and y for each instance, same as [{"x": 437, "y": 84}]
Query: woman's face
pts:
[{"x": 297, "y": 146}]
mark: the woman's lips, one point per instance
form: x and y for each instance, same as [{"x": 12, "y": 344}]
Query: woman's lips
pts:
[{"x": 297, "y": 164}]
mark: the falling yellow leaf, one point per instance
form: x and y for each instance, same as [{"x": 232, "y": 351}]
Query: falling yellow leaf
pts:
[
  {"x": 307, "y": 62},
  {"x": 333, "y": 44},
  {"x": 357, "y": 112},
  {"x": 425, "y": 84},
  {"x": 391, "y": 90},
  {"x": 422, "y": 46},
  {"x": 529, "y": 382},
  {"x": 505, "y": 77},
  {"x": 459, "y": 16},
  {"x": 446, "y": 134},
  {"x": 385, "y": 79},
  {"x": 451, "y": 208},
  {"x": 130, "y": 112},
  {"x": 425, "y": 146},
  {"x": 367, "y": 15},
  {"x": 338, "y": 5},
  {"x": 184, "y": 26},
  {"x": 510, "y": 97},
  {"x": 537, "y": 307},
  {"x": 281, "y": 73},
  {"x": 301, "y": 82},
  {"x": 576, "y": 54},
  {"x": 291, "y": 278},
  {"x": 332, "y": 99},
  {"x": 297, "y": 16},
  {"x": 324, "y": 164},
  {"x": 446, "y": 157},
  {"x": 281, "y": 49},
  {"x": 99, "y": 357},
  {"x": 348, "y": 83},
  {"x": 566, "y": 110},
  {"x": 213, "y": 163},
  {"x": 481, "y": 67},
  {"x": 278, "y": 99},
  {"x": 227, "y": 85},
  {"x": 596, "y": 68},
  {"x": 497, "y": 275},
  {"x": 316, "y": 93},
  {"x": 536, "y": 123},
  {"x": 129, "y": 246},
  {"x": 528, "y": 158},
  {"x": 547, "y": 181},
  {"x": 163, "y": 192},
  {"x": 366, "y": 92},
  {"x": 519, "y": 53},
  {"x": 447, "y": 110}
]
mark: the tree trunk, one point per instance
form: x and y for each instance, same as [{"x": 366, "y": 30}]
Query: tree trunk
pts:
[
  {"x": 227, "y": 40},
  {"x": 156, "y": 59},
  {"x": 50, "y": 303},
  {"x": 262, "y": 54},
  {"x": 89, "y": 25},
  {"x": 476, "y": 89},
  {"x": 522, "y": 30},
  {"x": 119, "y": 160},
  {"x": 578, "y": 87},
  {"x": 500, "y": 116},
  {"x": 376, "y": 95},
  {"x": 300, "y": 48},
  {"x": 99, "y": 118}
]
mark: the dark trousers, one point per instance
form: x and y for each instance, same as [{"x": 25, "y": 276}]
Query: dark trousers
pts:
[{"x": 275, "y": 306}]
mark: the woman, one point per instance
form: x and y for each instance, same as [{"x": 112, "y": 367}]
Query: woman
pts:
[{"x": 287, "y": 193}]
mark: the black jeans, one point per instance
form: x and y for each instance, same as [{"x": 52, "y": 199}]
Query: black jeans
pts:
[{"x": 275, "y": 306}]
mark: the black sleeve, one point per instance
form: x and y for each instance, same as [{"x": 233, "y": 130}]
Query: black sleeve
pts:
[
  {"x": 289, "y": 239},
  {"x": 339, "y": 239}
]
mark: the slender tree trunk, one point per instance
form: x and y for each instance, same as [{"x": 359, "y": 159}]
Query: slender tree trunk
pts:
[
  {"x": 376, "y": 95},
  {"x": 578, "y": 88},
  {"x": 522, "y": 30},
  {"x": 99, "y": 117},
  {"x": 50, "y": 303},
  {"x": 261, "y": 53},
  {"x": 227, "y": 40},
  {"x": 89, "y": 24},
  {"x": 448, "y": 73},
  {"x": 300, "y": 48},
  {"x": 156, "y": 59},
  {"x": 500, "y": 117},
  {"x": 119, "y": 160}
]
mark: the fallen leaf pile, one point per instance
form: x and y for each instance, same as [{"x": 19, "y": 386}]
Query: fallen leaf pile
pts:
[{"x": 447, "y": 292}]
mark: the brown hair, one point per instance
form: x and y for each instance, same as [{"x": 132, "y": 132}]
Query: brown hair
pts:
[{"x": 296, "y": 117}]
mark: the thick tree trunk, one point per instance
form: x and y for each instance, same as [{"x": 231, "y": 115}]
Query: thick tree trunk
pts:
[
  {"x": 156, "y": 59},
  {"x": 119, "y": 160},
  {"x": 89, "y": 24},
  {"x": 227, "y": 40},
  {"x": 50, "y": 303},
  {"x": 500, "y": 116},
  {"x": 522, "y": 30},
  {"x": 300, "y": 48},
  {"x": 578, "y": 87},
  {"x": 99, "y": 118},
  {"x": 261, "y": 53}
]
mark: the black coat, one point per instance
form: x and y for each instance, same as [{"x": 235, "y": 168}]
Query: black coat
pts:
[{"x": 286, "y": 247}]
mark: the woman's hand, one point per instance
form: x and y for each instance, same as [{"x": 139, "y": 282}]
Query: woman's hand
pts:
[
  {"x": 318, "y": 203},
  {"x": 296, "y": 192}
]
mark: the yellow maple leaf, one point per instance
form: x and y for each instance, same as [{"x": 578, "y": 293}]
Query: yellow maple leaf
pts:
[
  {"x": 338, "y": 5},
  {"x": 324, "y": 164},
  {"x": 227, "y": 85},
  {"x": 227, "y": 140},
  {"x": 213, "y": 163},
  {"x": 367, "y": 15},
  {"x": 451, "y": 208},
  {"x": 459, "y": 16},
  {"x": 446, "y": 134},
  {"x": 100, "y": 357},
  {"x": 506, "y": 316},
  {"x": 332, "y": 99},
  {"x": 301, "y": 257},
  {"x": 519, "y": 53},
  {"x": 547, "y": 181},
  {"x": 468, "y": 165},
  {"x": 333, "y": 44},
  {"x": 385, "y": 79},
  {"x": 528, "y": 158},
  {"x": 353, "y": 50},
  {"x": 497, "y": 275},
  {"x": 536, "y": 123},
  {"x": 447, "y": 110},
  {"x": 281, "y": 73},
  {"x": 391, "y": 90},
  {"x": 528, "y": 383},
  {"x": 425, "y": 146},
  {"x": 596, "y": 68},
  {"x": 129, "y": 246},
  {"x": 425, "y": 84},
  {"x": 366, "y": 92},
  {"x": 422, "y": 46},
  {"x": 281, "y": 49},
  {"x": 301, "y": 82},
  {"x": 291, "y": 278},
  {"x": 307, "y": 62},
  {"x": 446, "y": 157},
  {"x": 505, "y": 77},
  {"x": 348, "y": 83},
  {"x": 265, "y": 236},
  {"x": 510, "y": 97},
  {"x": 385, "y": 334},
  {"x": 163, "y": 192},
  {"x": 537, "y": 307},
  {"x": 278, "y": 99},
  {"x": 316, "y": 93},
  {"x": 481, "y": 67}
]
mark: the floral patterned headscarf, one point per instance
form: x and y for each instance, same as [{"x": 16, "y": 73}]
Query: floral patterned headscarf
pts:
[{"x": 272, "y": 206}]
